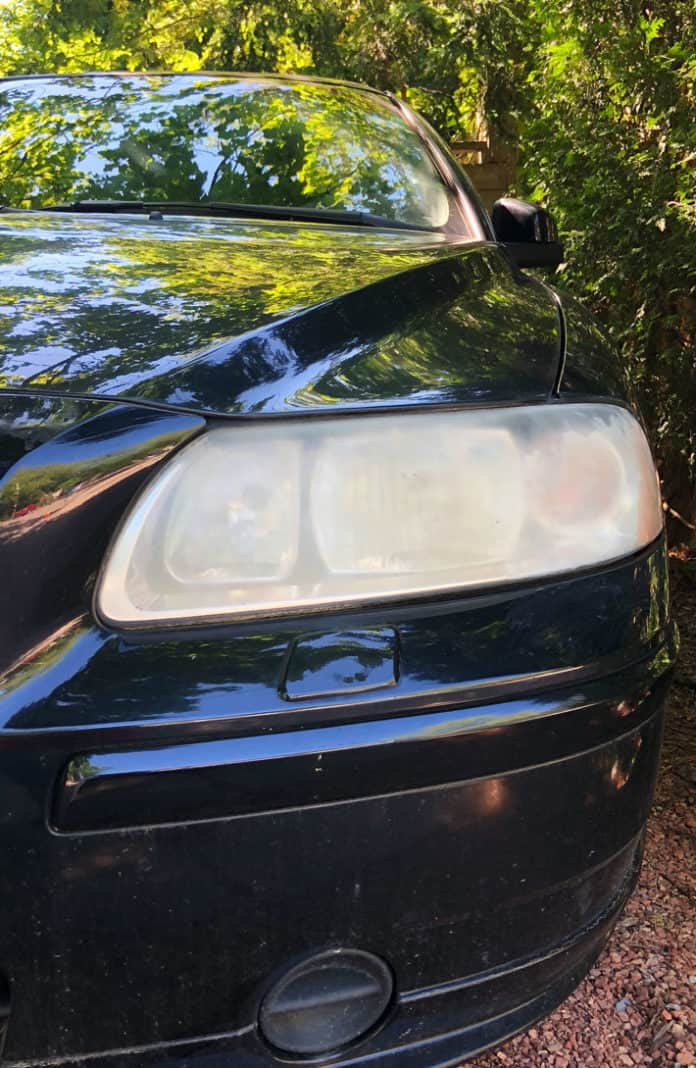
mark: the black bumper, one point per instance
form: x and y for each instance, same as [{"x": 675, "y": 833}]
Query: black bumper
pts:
[{"x": 478, "y": 832}]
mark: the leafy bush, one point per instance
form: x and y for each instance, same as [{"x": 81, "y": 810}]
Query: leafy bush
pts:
[
  {"x": 610, "y": 145},
  {"x": 599, "y": 95}
]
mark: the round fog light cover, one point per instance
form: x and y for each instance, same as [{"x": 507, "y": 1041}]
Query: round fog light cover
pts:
[{"x": 326, "y": 1002}]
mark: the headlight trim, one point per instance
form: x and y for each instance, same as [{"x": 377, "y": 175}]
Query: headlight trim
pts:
[{"x": 406, "y": 445}]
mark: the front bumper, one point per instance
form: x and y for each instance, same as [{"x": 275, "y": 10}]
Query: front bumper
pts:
[{"x": 478, "y": 832}]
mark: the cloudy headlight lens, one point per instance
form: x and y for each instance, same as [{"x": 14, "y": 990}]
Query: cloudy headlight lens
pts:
[{"x": 255, "y": 519}]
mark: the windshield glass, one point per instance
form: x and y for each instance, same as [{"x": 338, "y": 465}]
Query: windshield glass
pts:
[{"x": 194, "y": 139}]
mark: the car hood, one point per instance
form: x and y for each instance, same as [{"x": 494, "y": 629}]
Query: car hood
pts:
[{"x": 229, "y": 316}]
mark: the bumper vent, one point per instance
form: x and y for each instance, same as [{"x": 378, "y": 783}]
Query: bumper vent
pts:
[{"x": 326, "y": 1002}]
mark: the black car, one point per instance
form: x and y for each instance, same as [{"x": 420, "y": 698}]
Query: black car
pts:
[{"x": 335, "y": 630}]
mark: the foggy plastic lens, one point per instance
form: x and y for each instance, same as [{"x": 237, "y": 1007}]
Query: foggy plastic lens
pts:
[{"x": 293, "y": 515}]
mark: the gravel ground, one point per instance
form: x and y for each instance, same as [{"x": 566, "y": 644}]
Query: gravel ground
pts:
[{"x": 638, "y": 1004}]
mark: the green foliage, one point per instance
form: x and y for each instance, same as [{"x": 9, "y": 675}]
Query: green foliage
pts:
[
  {"x": 599, "y": 95},
  {"x": 610, "y": 146},
  {"x": 208, "y": 138},
  {"x": 435, "y": 53}
]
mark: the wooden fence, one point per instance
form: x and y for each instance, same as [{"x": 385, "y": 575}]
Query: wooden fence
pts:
[{"x": 491, "y": 166}]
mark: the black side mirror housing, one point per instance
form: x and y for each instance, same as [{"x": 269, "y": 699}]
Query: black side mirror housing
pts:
[{"x": 528, "y": 233}]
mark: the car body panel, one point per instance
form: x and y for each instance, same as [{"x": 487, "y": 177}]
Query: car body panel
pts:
[
  {"x": 239, "y": 317},
  {"x": 457, "y": 784},
  {"x": 186, "y": 924},
  {"x": 591, "y": 365},
  {"x": 378, "y": 801},
  {"x": 460, "y": 649},
  {"x": 179, "y": 863},
  {"x": 61, "y": 500}
]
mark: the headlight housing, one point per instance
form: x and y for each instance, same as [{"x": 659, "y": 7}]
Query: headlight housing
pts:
[{"x": 261, "y": 518}]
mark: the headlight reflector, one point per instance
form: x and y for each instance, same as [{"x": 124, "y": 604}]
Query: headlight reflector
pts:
[{"x": 292, "y": 515}]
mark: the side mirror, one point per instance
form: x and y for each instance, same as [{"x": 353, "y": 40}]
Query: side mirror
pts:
[{"x": 528, "y": 232}]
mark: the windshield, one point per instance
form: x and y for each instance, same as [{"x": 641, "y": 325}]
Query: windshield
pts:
[{"x": 197, "y": 139}]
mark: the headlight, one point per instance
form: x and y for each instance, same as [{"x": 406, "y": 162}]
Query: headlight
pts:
[{"x": 258, "y": 518}]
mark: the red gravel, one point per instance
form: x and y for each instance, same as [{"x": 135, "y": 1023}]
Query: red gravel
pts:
[{"x": 638, "y": 1004}]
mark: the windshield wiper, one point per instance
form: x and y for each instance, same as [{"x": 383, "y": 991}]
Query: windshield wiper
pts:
[{"x": 241, "y": 211}]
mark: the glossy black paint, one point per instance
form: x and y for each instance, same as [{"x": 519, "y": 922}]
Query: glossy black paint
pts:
[
  {"x": 60, "y": 502},
  {"x": 320, "y": 665},
  {"x": 239, "y": 776},
  {"x": 186, "y": 317},
  {"x": 528, "y": 233},
  {"x": 471, "y": 649},
  {"x": 186, "y": 924},
  {"x": 457, "y": 785},
  {"x": 591, "y": 366},
  {"x": 456, "y": 1019},
  {"x": 337, "y": 799}
]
